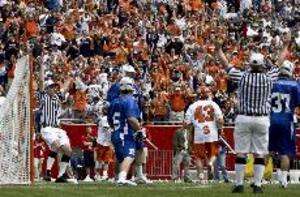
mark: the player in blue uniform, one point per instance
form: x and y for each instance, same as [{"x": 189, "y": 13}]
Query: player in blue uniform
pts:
[
  {"x": 123, "y": 117},
  {"x": 285, "y": 99},
  {"x": 141, "y": 150}
]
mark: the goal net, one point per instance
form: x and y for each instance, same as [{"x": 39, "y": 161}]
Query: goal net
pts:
[{"x": 15, "y": 128}]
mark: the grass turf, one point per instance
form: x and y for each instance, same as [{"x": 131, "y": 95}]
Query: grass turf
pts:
[{"x": 158, "y": 189}]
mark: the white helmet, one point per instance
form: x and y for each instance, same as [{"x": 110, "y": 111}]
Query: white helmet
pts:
[
  {"x": 297, "y": 40},
  {"x": 287, "y": 68},
  {"x": 126, "y": 68},
  {"x": 257, "y": 59},
  {"x": 126, "y": 83}
]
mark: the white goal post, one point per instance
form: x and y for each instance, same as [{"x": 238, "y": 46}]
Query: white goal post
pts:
[{"x": 16, "y": 128}]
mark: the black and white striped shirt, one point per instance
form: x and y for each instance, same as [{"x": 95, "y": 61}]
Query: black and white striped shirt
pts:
[
  {"x": 50, "y": 107},
  {"x": 254, "y": 91}
]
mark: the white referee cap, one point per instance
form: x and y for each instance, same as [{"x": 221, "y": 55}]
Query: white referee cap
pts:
[
  {"x": 257, "y": 59},
  {"x": 49, "y": 83}
]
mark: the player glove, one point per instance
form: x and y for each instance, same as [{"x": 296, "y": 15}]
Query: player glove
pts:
[
  {"x": 140, "y": 135},
  {"x": 94, "y": 142}
]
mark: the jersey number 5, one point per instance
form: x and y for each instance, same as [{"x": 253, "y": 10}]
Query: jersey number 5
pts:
[{"x": 116, "y": 119}]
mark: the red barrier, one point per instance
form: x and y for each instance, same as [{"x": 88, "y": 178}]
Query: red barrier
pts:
[
  {"x": 159, "y": 163},
  {"x": 76, "y": 131},
  {"x": 161, "y": 136}
]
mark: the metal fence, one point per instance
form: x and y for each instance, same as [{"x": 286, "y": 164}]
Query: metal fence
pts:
[{"x": 159, "y": 164}]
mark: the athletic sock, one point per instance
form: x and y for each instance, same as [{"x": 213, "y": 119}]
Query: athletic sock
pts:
[
  {"x": 139, "y": 171},
  {"x": 50, "y": 162},
  {"x": 259, "y": 169},
  {"x": 240, "y": 170},
  {"x": 62, "y": 168},
  {"x": 122, "y": 176},
  {"x": 279, "y": 175},
  {"x": 63, "y": 164},
  {"x": 284, "y": 174},
  {"x": 239, "y": 174},
  {"x": 105, "y": 173}
]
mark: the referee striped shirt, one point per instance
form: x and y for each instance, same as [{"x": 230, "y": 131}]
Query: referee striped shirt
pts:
[
  {"x": 254, "y": 91},
  {"x": 50, "y": 107}
]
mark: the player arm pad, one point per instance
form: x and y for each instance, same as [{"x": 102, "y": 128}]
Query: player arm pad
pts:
[{"x": 134, "y": 123}]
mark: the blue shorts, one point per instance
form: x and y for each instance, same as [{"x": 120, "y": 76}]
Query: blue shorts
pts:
[
  {"x": 282, "y": 138},
  {"x": 123, "y": 147},
  {"x": 88, "y": 159}
]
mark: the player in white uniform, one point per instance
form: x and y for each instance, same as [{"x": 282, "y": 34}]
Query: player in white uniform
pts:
[
  {"x": 104, "y": 150},
  {"x": 207, "y": 119}
]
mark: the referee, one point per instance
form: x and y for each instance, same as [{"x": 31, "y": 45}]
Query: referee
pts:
[
  {"x": 252, "y": 122},
  {"x": 55, "y": 137}
]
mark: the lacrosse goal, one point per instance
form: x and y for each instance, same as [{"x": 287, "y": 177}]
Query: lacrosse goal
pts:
[{"x": 15, "y": 129}]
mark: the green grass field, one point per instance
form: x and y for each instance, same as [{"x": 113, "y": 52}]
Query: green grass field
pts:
[{"x": 159, "y": 189}]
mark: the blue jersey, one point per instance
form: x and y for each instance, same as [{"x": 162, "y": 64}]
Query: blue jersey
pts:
[
  {"x": 113, "y": 92},
  {"x": 119, "y": 111},
  {"x": 285, "y": 99}
]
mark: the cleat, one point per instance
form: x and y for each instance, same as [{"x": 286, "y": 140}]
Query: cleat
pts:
[
  {"x": 283, "y": 185},
  {"x": 72, "y": 180},
  {"x": 177, "y": 181},
  {"x": 61, "y": 179},
  {"x": 88, "y": 179},
  {"x": 187, "y": 180},
  {"x": 104, "y": 178},
  {"x": 257, "y": 190},
  {"x": 238, "y": 189},
  {"x": 142, "y": 180},
  {"x": 125, "y": 183},
  {"x": 47, "y": 178},
  {"x": 210, "y": 176}
]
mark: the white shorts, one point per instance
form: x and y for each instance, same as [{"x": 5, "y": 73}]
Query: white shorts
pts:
[
  {"x": 251, "y": 134},
  {"x": 51, "y": 134}
]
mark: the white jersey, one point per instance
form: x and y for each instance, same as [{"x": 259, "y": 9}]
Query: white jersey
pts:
[
  {"x": 203, "y": 115},
  {"x": 2, "y": 100},
  {"x": 104, "y": 132}
]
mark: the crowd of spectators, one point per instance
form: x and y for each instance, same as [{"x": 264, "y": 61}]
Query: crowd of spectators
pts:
[{"x": 85, "y": 46}]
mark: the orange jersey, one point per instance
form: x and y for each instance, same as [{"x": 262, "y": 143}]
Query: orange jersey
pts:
[
  {"x": 31, "y": 28},
  {"x": 177, "y": 102},
  {"x": 80, "y": 101}
]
